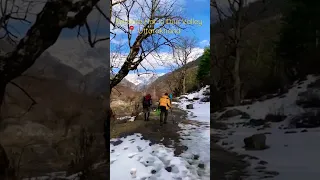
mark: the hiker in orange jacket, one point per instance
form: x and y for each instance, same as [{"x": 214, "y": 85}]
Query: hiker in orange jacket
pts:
[{"x": 164, "y": 105}]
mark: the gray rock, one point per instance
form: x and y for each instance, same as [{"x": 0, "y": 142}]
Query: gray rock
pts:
[
  {"x": 306, "y": 120},
  {"x": 189, "y": 106},
  {"x": 256, "y": 122},
  {"x": 231, "y": 113},
  {"x": 206, "y": 92},
  {"x": 255, "y": 142},
  {"x": 205, "y": 99},
  {"x": 183, "y": 97},
  {"x": 275, "y": 117},
  {"x": 309, "y": 99}
]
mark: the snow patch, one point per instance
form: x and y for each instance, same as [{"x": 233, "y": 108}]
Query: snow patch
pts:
[
  {"x": 134, "y": 158},
  {"x": 293, "y": 155}
]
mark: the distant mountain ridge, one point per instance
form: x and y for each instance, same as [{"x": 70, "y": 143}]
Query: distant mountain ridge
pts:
[
  {"x": 143, "y": 80},
  {"x": 93, "y": 81}
]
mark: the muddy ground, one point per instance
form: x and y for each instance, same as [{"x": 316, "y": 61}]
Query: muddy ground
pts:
[
  {"x": 151, "y": 130},
  {"x": 225, "y": 165}
]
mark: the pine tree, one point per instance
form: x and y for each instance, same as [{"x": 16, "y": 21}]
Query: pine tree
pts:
[{"x": 204, "y": 66}]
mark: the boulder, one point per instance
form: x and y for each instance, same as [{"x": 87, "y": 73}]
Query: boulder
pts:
[
  {"x": 189, "y": 106},
  {"x": 206, "y": 92},
  {"x": 255, "y": 142},
  {"x": 256, "y": 122},
  {"x": 231, "y": 113},
  {"x": 183, "y": 97},
  {"x": 246, "y": 101},
  {"x": 205, "y": 99},
  {"x": 309, "y": 99},
  {"x": 245, "y": 116},
  {"x": 275, "y": 117},
  {"x": 306, "y": 120}
]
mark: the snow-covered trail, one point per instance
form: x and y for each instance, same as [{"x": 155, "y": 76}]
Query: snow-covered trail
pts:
[
  {"x": 292, "y": 154},
  {"x": 132, "y": 157},
  {"x": 197, "y": 136}
]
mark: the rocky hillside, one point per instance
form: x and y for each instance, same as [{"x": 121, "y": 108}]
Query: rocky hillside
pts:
[{"x": 168, "y": 82}]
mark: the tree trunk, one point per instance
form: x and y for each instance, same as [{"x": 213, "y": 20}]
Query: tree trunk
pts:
[
  {"x": 237, "y": 81},
  {"x": 184, "y": 73},
  {"x": 184, "y": 84},
  {"x": 236, "y": 73}
]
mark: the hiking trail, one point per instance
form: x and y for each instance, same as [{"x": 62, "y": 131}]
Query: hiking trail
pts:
[{"x": 178, "y": 150}]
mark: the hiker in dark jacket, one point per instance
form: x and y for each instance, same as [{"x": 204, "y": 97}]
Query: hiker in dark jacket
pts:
[
  {"x": 164, "y": 105},
  {"x": 146, "y": 104}
]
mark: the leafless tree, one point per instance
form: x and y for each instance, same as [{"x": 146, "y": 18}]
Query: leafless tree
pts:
[
  {"x": 236, "y": 13},
  {"x": 183, "y": 53},
  {"x": 154, "y": 16},
  {"x": 236, "y": 8}
]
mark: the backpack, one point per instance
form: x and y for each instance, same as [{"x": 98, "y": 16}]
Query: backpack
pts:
[{"x": 146, "y": 102}]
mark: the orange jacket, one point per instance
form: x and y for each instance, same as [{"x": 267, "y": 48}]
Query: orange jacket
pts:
[{"x": 165, "y": 101}]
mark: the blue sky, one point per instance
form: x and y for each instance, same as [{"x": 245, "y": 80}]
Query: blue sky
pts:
[
  {"x": 193, "y": 9},
  {"x": 199, "y": 9}
]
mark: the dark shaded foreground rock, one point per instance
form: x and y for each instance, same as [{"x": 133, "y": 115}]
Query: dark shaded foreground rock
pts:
[
  {"x": 255, "y": 142},
  {"x": 189, "y": 106},
  {"x": 306, "y": 120},
  {"x": 232, "y": 113}
]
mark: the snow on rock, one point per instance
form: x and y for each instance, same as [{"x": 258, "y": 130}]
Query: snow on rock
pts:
[
  {"x": 201, "y": 110},
  {"x": 128, "y": 118},
  {"x": 292, "y": 154},
  {"x": 133, "y": 158},
  {"x": 287, "y": 104}
]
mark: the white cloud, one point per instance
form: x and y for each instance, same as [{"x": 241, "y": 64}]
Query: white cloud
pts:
[
  {"x": 204, "y": 43},
  {"x": 155, "y": 62}
]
